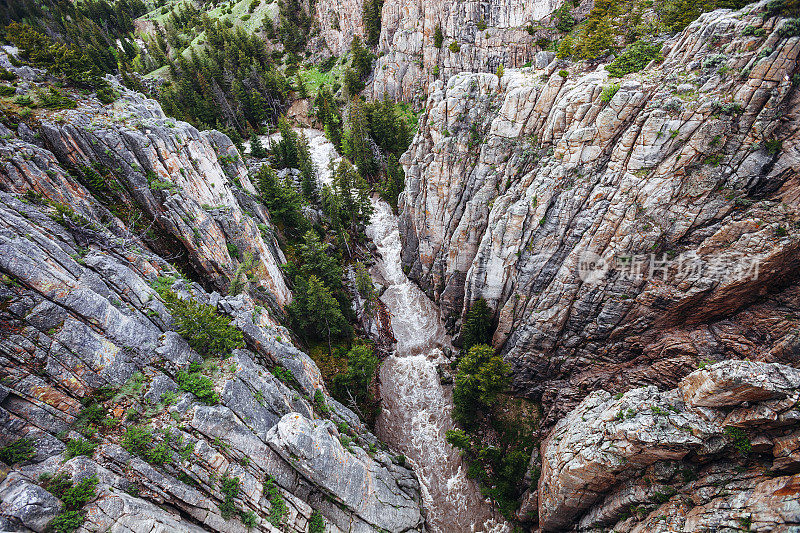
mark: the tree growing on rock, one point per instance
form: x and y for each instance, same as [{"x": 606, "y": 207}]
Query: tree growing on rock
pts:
[
  {"x": 482, "y": 375},
  {"x": 256, "y": 148},
  {"x": 316, "y": 312},
  {"x": 477, "y": 328}
]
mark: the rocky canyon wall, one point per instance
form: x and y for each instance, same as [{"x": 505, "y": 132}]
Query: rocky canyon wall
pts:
[
  {"x": 98, "y": 206},
  {"x": 688, "y": 167},
  {"x": 477, "y": 37},
  {"x": 717, "y": 453}
]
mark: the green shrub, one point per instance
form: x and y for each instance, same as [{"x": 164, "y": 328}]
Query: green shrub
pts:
[
  {"x": 6, "y": 75},
  {"x": 663, "y": 496},
  {"x": 481, "y": 376},
  {"x": 203, "y": 328},
  {"x": 320, "y": 403},
  {"x": 790, "y": 28},
  {"x": 249, "y": 519},
  {"x": 316, "y": 524},
  {"x": 140, "y": 441},
  {"x": 481, "y": 25},
  {"x": 739, "y": 438},
  {"x": 773, "y": 146},
  {"x": 634, "y": 58},
  {"x": 66, "y": 522},
  {"x": 277, "y": 504},
  {"x": 53, "y": 99},
  {"x": 106, "y": 94},
  {"x": 198, "y": 384},
  {"x": 18, "y": 451},
  {"x": 753, "y": 31},
  {"x": 458, "y": 439},
  {"x": 57, "y": 485},
  {"x": 230, "y": 490},
  {"x": 728, "y": 108},
  {"x": 79, "y": 495},
  {"x": 608, "y": 92},
  {"x": 454, "y": 47},
  {"x": 24, "y": 100},
  {"x": 79, "y": 446},
  {"x": 6, "y": 90},
  {"x": 438, "y": 37},
  {"x": 563, "y": 73}
]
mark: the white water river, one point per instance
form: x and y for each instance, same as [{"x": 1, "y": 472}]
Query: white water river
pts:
[{"x": 416, "y": 408}]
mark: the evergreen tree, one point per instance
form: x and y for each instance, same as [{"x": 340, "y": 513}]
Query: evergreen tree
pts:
[
  {"x": 292, "y": 151},
  {"x": 477, "y": 327},
  {"x": 355, "y": 382},
  {"x": 315, "y": 311},
  {"x": 362, "y": 58},
  {"x": 353, "y": 192},
  {"x": 317, "y": 259},
  {"x": 394, "y": 181},
  {"x": 438, "y": 37},
  {"x": 356, "y": 142},
  {"x": 565, "y": 48},
  {"x": 284, "y": 203},
  {"x": 372, "y": 20},
  {"x": 482, "y": 376},
  {"x": 256, "y": 148},
  {"x": 328, "y": 114}
]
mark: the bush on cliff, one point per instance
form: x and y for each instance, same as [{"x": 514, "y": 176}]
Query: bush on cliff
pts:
[
  {"x": 634, "y": 58},
  {"x": 208, "y": 332},
  {"x": 481, "y": 376},
  {"x": 477, "y": 327}
]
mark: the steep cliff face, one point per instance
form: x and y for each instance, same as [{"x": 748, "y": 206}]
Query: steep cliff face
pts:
[
  {"x": 486, "y": 35},
  {"x": 339, "y": 22},
  {"x": 409, "y": 59},
  {"x": 513, "y": 185},
  {"x": 716, "y": 453},
  {"x": 88, "y": 347},
  {"x": 187, "y": 191}
]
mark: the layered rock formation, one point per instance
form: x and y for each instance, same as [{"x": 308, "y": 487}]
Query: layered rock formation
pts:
[
  {"x": 716, "y": 453},
  {"x": 688, "y": 168},
  {"x": 477, "y": 37},
  {"x": 89, "y": 198},
  {"x": 486, "y": 35},
  {"x": 339, "y": 22}
]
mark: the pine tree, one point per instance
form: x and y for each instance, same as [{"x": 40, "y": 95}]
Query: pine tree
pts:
[
  {"x": 317, "y": 259},
  {"x": 356, "y": 142},
  {"x": 324, "y": 314},
  {"x": 482, "y": 376},
  {"x": 438, "y": 37},
  {"x": 564, "y": 48},
  {"x": 372, "y": 20},
  {"x": 256, "y": 148},
  {"x": 477, "y": 327}
]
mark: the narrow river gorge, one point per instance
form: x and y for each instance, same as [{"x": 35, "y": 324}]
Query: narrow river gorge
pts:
[{"x": 415, "y": 406}]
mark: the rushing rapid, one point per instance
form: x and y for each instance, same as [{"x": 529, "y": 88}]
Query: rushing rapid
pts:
[{"x": 415, "y": 408}]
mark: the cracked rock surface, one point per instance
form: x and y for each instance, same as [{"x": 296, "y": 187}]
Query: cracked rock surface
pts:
[
  {"x": 102, "y": 208},
  {"x": 682, "y": 186}
]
